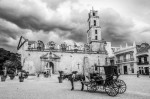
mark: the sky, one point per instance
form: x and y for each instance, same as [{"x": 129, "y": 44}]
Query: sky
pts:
[{"x": 121, "y": 21}]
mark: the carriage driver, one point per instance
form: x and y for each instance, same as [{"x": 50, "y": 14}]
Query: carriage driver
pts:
[{"x": 73, "y": 78}]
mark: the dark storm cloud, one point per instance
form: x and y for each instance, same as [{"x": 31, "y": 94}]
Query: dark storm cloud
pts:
[
  {"x": 115, "y": 28},
  {"x": 78, "y": 36},
  {"x": 3, "y": 41},
  {"x": 10, "y": 29},
  {"x": 32, "y": 22},
  {"x": 79, "y": 33},
  {"x": 29, "y": 18},
  {"x": 77, "y": 26},
  {"x": 54, "y": 4}
]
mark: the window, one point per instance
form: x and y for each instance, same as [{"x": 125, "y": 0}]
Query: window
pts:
[
  {"x": 145, "y": 59},
  {"x": 131, "y": 55},
  {"x": 93, "y": 14},
  {"x": 96, "y": 68},
  {"x": 142, "y": 59},
  {"x": 94, "y": 22},
  {"x": 139, "y": 59},
  {"x": 95, "y": 37},
  {"x": 95, "y": 31}
]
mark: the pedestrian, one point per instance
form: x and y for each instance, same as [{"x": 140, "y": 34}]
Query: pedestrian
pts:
[{"x": 138, "y": 74}]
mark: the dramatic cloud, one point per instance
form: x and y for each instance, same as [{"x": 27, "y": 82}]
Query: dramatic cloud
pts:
[
  {"x": 115, "y": 28},
  {"x": 66, "y": 20}
]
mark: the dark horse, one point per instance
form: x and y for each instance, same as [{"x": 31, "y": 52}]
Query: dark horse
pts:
[
  {"x": 74, "y": 77},
  {"x": 109, "y": 71}
]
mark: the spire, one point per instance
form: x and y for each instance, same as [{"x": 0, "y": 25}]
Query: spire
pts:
[
  {"x": 126, "y": 45},
  {"x": 92, "y": 8},
  {"x": 120, "y": 46},
  {"x": 134, "y": 44}
]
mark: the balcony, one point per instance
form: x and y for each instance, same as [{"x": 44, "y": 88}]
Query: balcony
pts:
[
  {"x": 131, "y": 59},
  {"x": 125, "y": 60},
  {"x": 119, "y": 61},
  {"x": 144, "y": 63}
]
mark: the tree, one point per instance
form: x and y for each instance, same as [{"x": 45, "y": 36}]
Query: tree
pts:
[{"x": 9, "y": 61}]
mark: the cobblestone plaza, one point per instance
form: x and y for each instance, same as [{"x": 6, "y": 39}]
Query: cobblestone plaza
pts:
[{"x": 49, "y": 88}]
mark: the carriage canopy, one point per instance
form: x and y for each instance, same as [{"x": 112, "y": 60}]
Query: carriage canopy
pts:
[{"x": 109, "y": 70}]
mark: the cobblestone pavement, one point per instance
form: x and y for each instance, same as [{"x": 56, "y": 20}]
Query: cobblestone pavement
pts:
[{"x": 49, "y": 88}]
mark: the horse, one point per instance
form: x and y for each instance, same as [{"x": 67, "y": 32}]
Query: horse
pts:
[{"x": 74, "y": 77}]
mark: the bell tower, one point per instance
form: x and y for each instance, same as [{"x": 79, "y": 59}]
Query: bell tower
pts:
[{"x": 94, "y": 31}]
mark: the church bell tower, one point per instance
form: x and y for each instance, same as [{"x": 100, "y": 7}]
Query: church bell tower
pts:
[{"x": 94, "y": 32}]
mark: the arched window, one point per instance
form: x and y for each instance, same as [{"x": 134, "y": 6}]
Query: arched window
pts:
[
  {"x": 93, "y": 14},
  {"x": 95, "y": 37},
  {"x": 95, "y": 31}
]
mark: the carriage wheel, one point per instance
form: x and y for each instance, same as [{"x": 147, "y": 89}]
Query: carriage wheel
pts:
[
  {"x": 121, "y": 86},
  {"x": 89, "y": 87},
  {"x": 111, "y": 88},
  {"x": 92, "y": 87}
]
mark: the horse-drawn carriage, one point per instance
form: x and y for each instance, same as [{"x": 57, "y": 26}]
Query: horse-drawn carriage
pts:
[{"x": 106, "y": 79}]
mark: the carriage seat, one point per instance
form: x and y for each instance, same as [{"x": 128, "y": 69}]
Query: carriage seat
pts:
[{"x": 98, "y": 78}]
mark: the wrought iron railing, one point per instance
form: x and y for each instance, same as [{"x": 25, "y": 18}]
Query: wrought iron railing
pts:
[
  {"x": 125, "y": 60},
  {"x": 144, "y": 63}
]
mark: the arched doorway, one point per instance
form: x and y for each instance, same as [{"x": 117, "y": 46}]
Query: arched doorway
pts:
[{"x": 51, "y": 66}]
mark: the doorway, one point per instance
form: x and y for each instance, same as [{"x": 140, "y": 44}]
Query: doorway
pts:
[
  {"x": 146, "y": 70},
  {"x": 125, "y": 70},
  {"x": 52, "y": 67}
]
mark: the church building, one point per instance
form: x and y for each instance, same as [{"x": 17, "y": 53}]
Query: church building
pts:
[{"x": 51, "y": 57}]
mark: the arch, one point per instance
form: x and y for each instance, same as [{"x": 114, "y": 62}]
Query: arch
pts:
[{"x": 51, "y": 64}]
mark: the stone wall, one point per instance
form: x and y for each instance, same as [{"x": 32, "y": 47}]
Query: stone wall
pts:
[{"x": 68, "y": 61}]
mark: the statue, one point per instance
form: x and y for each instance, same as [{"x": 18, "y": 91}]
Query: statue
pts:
[
  {"x": 40, "y": 46},
  {"x": 51, "y": 45},
  {"x": 63, "y": 47}
]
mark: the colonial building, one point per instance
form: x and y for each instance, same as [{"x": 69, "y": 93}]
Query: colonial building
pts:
[
  {"x": 125, "y": 59},
  {"x": 110, "y": 60},
  {"x": 143, "y": 54},
  {"x": 51, "y": 57}
]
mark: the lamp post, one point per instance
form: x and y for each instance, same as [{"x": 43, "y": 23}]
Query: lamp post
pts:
[
  {"x": 98, "y": 61},
  {"x": 99, "y": 65}
]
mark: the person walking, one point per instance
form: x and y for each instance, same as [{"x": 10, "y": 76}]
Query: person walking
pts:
[{"x": 138, "y": 74}]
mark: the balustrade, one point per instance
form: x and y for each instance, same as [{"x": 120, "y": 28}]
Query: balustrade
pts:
[{"x": 125, "y": 60}]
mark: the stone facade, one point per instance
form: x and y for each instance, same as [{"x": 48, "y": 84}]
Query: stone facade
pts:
[
  {"x": 51, "y": 57},
  {"x": 67, "y": 62}
]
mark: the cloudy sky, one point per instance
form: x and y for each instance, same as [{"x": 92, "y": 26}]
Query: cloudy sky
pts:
[{"x": 66, "y": 20}]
